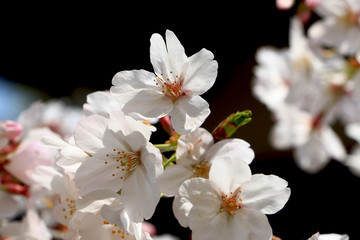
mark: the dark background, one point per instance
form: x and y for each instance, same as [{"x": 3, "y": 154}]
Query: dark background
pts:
[{"x": 74, "y": 50}]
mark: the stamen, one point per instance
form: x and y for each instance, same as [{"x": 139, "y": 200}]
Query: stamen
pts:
[
  {"x": 202, "y": 170},
  {"x": 231, "y": 203}
]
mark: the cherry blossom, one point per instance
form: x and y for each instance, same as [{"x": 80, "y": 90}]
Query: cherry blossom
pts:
[
  {"x": 120, "y": 158},
  {"x": 32, "y": 227},
  {"x": 175, "y": 87},
  {"x": 339, "y": 26},
  {"x": 195, "y": 155},
  {"x": 231, "y": 204},
  {"x": 329, "y": 236},
  {"x": 315, "y": 142}
]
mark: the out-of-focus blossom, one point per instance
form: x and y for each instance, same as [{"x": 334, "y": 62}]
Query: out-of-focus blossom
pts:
[
  {"x": 329, "y": 236},
  {"x": 284, "y": 4},
  {"x": 54, "y": 115},
  {"x": 9, "y": 132},
  {"x": 339, "y": 26},
  {"x": 30, "y": 154},
  {"x": 231, "y": 204},
  {"x": 315, "y": 142},
  {"x": 120, "y": 158},
  {"x": 195, "y": 154},
  {"x": 32, "y": 227},
  {"x": 174, "y": 89},
  {"x": 353, "y": 162}
]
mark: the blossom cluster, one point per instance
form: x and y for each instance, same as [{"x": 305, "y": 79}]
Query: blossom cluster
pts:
[
  {"x": 94, "y": 173},
  {"x": 314, "y": 84}
]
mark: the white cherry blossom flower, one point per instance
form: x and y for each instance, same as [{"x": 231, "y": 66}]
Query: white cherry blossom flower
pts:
[
  {"x": 231, "y": 204},
  {"x": 120, "y": 158},
  {"x": 195, "y": 155},
  {"x": 339, "y": 26},
  {"x": 175, "y": 87},
  {"x": 103, "y": 102},
  {"x": 329, "y": 236},
  {"x": 315, "y": 142}
]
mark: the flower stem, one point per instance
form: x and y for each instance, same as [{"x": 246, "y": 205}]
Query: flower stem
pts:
[
  {"x": 170, "y": 160},
  {"x": 166, "y": 147}
]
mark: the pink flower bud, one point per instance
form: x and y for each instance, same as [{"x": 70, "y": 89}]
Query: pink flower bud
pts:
[
  {"x": 12, "y": 129},
  {"x": 165, "y": 123}
]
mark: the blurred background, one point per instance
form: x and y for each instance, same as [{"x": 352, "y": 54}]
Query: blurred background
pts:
[{"x": 69, "y": 51}]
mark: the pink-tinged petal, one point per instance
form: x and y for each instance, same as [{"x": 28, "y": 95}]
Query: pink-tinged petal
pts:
[
  {"x": 266, "y": 193},
  {"x": 90, "y": 132},
  {"x": 140, "y": 196},
  {"x": 149, "y": 104},
  {"x": 197, "y": 202},
  {"x": 189, "y": 113},
  {"x": 172, "y": 179},
  {"x": 229, "y": 173},
  {"x": 201, "y": 73},
  {"x": 23, "y": 163},
  {"x": 193, "y": 146},
  {"x": 232, "y": 148}
]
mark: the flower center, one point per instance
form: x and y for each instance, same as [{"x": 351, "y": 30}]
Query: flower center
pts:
[
  {"x": 116, "y": 230},
  {"x": 69, "y": 207},
  {"x": 123, "y": 162},
  {"x": 350, "y": 18},
  {"x": 230, "y": 203},
  {"x": 170, "y": 86},
  {"x": 202, "y": 170}
]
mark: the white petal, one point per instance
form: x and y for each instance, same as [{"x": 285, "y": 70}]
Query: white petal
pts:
[
  {"x": 135, "y": 80},
  {"x": 94, "y": 201},
  {"x": 127, "y": 125},
  {"x": 197, "y": 202},
  {"x": 193, "y": 146},
  {"x": 233, "y": 148},
  {"x": 167, "y": 58},
  {"x": 333, "y": 144},
  {"x": 100, "y": 103},
  {"x": 189, "y": 113},
  {"x": 140, "y": 196},
  {"x": 229, "y": 173},
  {"x": 311, "y": 156},
  {"x": 353, "y": 131},
  {"x": 266, "y": 193},
  {"x": 173, "y": 177},
  {"x": 90, "y": 132},
  {"x": 94, "y": 174},
  {"x": 245, "y": 225},
  {"x": 201, "y": 73},
  {"x": 149, "y": 104}
]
